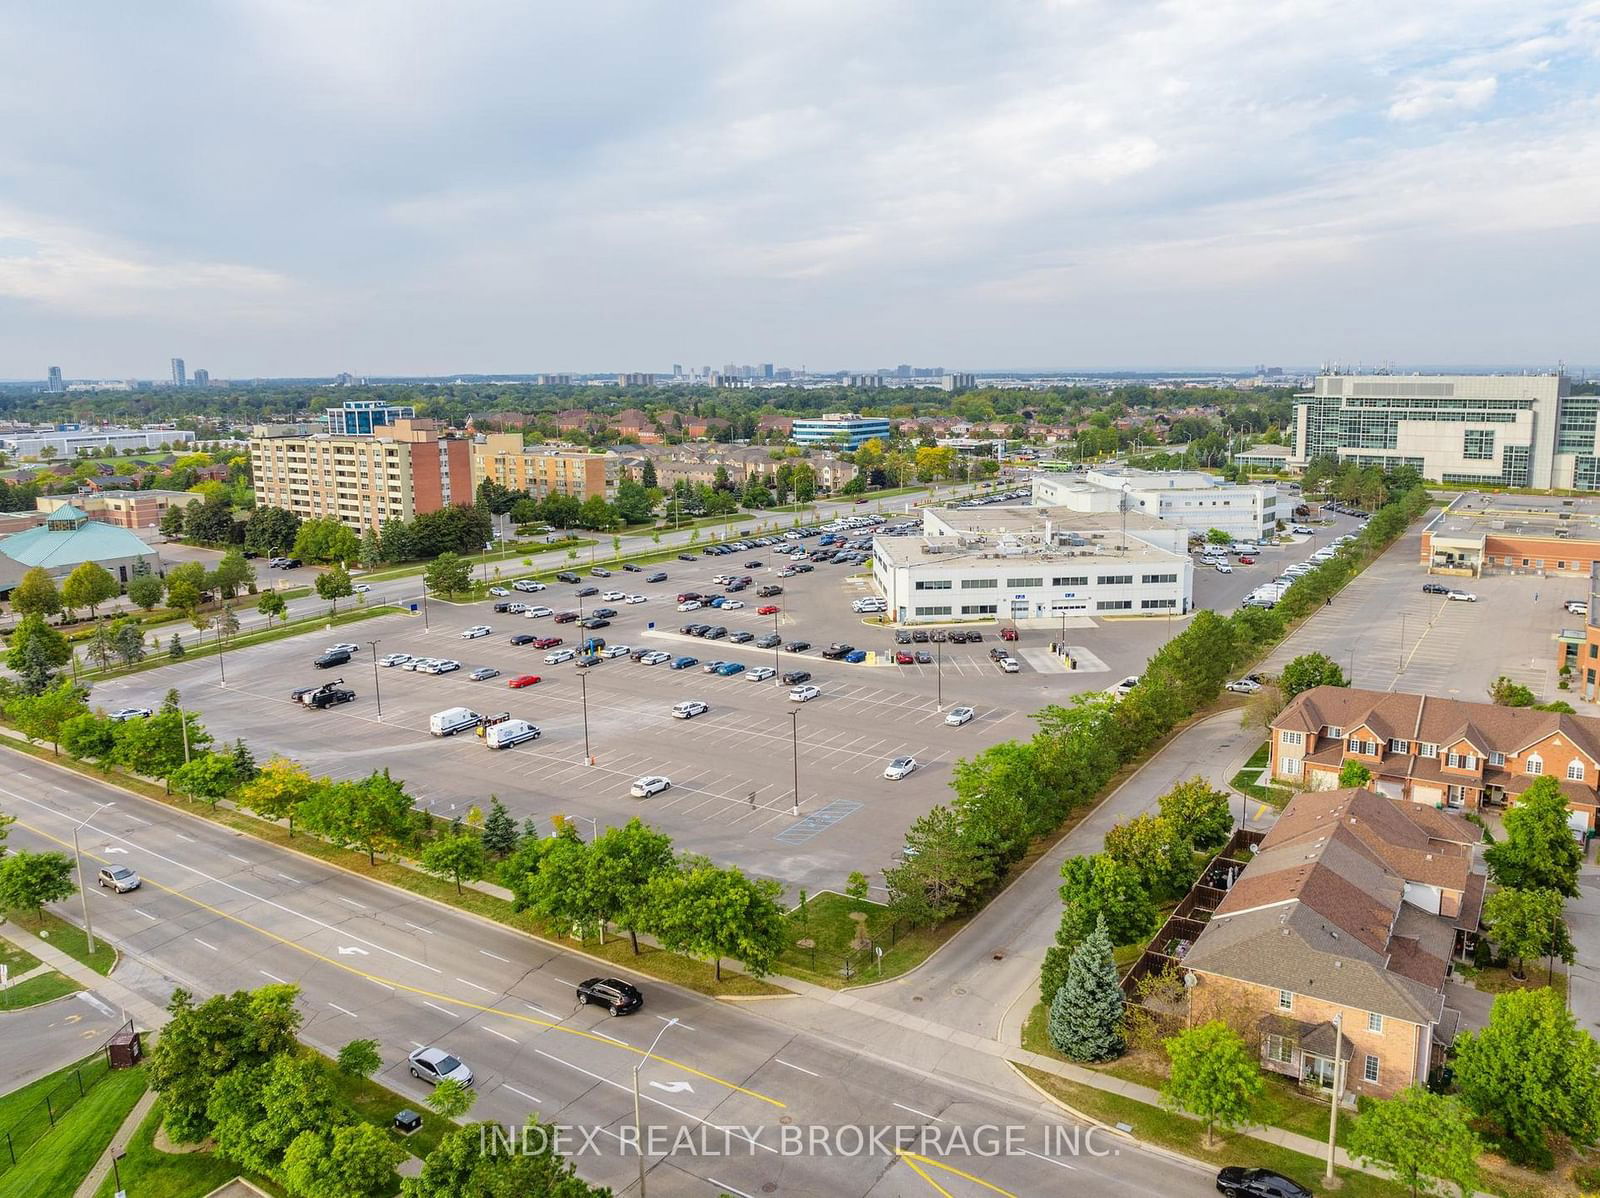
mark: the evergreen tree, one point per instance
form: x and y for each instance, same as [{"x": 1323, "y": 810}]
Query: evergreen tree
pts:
[
  {"x": 499, "y": 830},
  {"x": 1086, "y": 1012},
  {"x": 371, "y": 553},
  {"x": 244, "y": 762},
  {"x": 176, "y": 650}
]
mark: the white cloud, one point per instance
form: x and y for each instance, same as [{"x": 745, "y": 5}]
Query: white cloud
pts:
[{"x": 1428, "y": 97}]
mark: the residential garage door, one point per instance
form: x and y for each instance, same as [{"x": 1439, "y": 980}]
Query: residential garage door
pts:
[
  {"x": 1389, "y": 789},
  {"x": 1428, "y": 795}
]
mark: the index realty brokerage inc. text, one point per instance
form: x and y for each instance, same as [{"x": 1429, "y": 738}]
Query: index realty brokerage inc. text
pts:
[{"x": 795, "y": 1140}]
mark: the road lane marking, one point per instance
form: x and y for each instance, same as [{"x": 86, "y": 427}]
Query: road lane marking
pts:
[
  {"x": 914, "y": 1158},
  {"x": 496, "y": 956},
  {"x": 419, "y": 928},
  {"x": 344, "y": 1010},
  {"x": 352, "y": 902},
  {"x": 437, "y": 1007},
  {"x": 722, "y": 1185},
  {"x": 919, "y": 1114},
  {"x": 406, "y": 987},
  {"x": 273, "y": 976},
  {"x": 1050, "y": 1159},
  {"x": 190, "y": 839},
  {"x": 203, "y": 944},
  {"x": 502, "y": 1035},
  {"x": 679, "y": 1022},
  {"x": 541, "y": 1011},
  {"x": 288, "y": 877},
  {"x": 523, "y": 1093},
  {"x": 798, "y": 1068},
  {"x": 143, "y": 912},
  {"x": 377, "y": 982},
  {"x": 475, "y": 985},
  {"x": 236, "y": 857},
  {"x": 613, "y": 1039}
]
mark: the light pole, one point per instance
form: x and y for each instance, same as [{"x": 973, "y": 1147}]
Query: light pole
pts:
[
  {"x": 1402, "y": 668},
  {"x": 1126, "y": 489},
  {"x": 222, "y": 651},
  {"x": 794, "y": 737},
  {"x": 83, "y": 884},
  {"x": 777, "y": 665},
  {"x": 1333, "y": 1111},
  {"x": 424, "y": 608},
  {"x": 638, "y": 1123},
  {"x": 594, "y": 825},
  {"x": 375, "y": 693},
  {"x": 583, "y": 683},
  {"x": 938, "y": 674}
]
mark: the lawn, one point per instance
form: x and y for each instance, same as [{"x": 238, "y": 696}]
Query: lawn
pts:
[
  {"x": 36, "y": 990},
  {"x": 1245, "y": 780},
  {"x": 376, "y": 1104},
  {"x": 69, "y": 938},
  {"x": 16, "y": 960},
  {"x": 149, "y": 1173},
  {"x": 59, "y": 1160},
  {"x": 826, "y": 920},
  {"x": 1497, "y": 979}
]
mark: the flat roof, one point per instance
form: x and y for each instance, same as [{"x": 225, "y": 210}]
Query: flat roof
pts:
[
  {"x": 1029, "y": 518},
  {"x": 968, "y": 551},
  {"x": 1475, "y": 515}
]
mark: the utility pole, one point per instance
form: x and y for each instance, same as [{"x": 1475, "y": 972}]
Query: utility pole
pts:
[
  {"x": 583, "y": 682},
  {"x": 83, "y": 882},
  {"x": 794, "y": 733},
  {"x": 1333, "y": 1111},
  {"x": 375, "y": 693}
]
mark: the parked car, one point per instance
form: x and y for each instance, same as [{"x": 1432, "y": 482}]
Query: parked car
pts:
[
  {"x": 904, "y": 658},
  {"x": 856, "y": 656},
  {"x": 586, "y": 592},
  {"x": 837, "y": 650},
  {"x": 118, "y": 878},
  {"x": 899, "y": 768},
  {"x": 528, "y": 585},
  {"x": 477, "y": 630},
  {"x": 804, "y": 693},
  {"x": 796, "y": 677},
  {"x": 559, "y": 657},
  {"x": 1008, "y": 634},
  {"x": 1577, "y": 607},
  {"x": 129, "y": 713},
  {"x": 600, "y": 572},
  {"x": 434, "y": 1065},
  {"x": 655, "y": 657},
  {"x": 484, "y": 673},
  {"x": 522, "y": 680},
  {"x": 1244, "y": 686},
  {"x": 684, "y": 663},
  {"x": 1462, "y": 597},
  {"x": 729, "y": 668},
  {"x": 538, "y": 612},
  {"x": 394, "y": 659},
  {"x": 688, "y": 709},
  {"x": 958, "y": 716},
  {"x": 761, "y": 673},
  {"x": 499, "y": 592},
  {"x": 1122, "y": 689},
  {"x": 768, "y": 640},
  {"x": 330, "y": 659},
  {"x": 741, "y": 637},
  {"x": 924, "y": 658},
  {"x": 1009, "y": 665},
  {"x": 1235, "y": 1180},
  {"x": 650, "y": 784},
  {"x": 797, "y": 646},
  {"x": 631, "y": 568},
  {"x": 616, "y": 996},
  {"x": 564, "y": 617},
  {"x": 568, "y": 576},
  {"x": 658, "y": 576}
]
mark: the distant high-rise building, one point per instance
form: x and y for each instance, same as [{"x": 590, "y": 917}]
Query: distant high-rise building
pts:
[
  {"x": 902, "y": 371},
  {"x": 863, "y": 380},
  {"x": 766, "y": 370},
  {"x": 359, "y": 417},
  {"x": 55, "y": 383},
  {"x": 956, "y": 382},
  {"x": 636, "y": 379},
  {"x": 677, "y": 370},
  {"x": 345, "y": 379},
  {"x": 179, "y": 377},
  {"x": 553, "y": 380},
  {"x": 202, "y": 377}
]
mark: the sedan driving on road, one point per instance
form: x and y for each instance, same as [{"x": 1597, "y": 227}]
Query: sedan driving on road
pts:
[
  {"x": 899, "y": 768},
  {"x": 434, "y": 1065},
  {"x": 616, "y": 996},
  {"x": 1258, "y": 1183},
  {"x": 650, "y": 784},
  {"x": 484, "y": 673},
  {"x": 1244, "y": 686},
  {"x": 119, "y": 878}
]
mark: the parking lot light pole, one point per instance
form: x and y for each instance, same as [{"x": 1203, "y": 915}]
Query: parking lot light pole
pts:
[
  {"x": 583, "y": 683},
  {"x": 83, "y": 883},
  {"x": 777, "y": 665},
  {"x": 794, "y": 733},
  {"x": 375, "y": 692},
  {"x": 638, "y": 1125},
  {"x": 938, "y": 674}
]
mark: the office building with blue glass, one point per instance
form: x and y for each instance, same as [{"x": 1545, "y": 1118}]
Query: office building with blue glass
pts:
[
  {"x": 839, "y": 429},
  {"x": 358, "y": 417}
]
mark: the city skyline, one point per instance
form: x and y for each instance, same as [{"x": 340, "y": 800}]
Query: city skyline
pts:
[{"x": 1110, "y": 185}]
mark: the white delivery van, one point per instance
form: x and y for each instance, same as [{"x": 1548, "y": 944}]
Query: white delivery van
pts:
[
  {"x": 452, "y": 720},
  {"x": 510, "y": 732}
]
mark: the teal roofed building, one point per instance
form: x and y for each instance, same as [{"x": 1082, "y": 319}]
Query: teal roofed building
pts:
[{"x": 66, "y": 540}]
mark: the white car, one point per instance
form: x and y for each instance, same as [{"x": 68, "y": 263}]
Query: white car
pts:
[
  {"x": 528, "y": 585},
  {"x": 499, "y": 592},
  {"x": 615, "y": 651},
  {"x": 732, "y": 604},
  {"x": 1224, "y": 568},
  {"x": 477, "y": 630},
  {"x": 959, "y": 716},
  {"x": 129, "y": 713},
  {"x": 1300, "y": 530},
  {"x": 435, "y": 1065},
  {"x": 418, "y": 664},
  {"x": 1244, "y": 686},
  {"x": 394, "y": 659},
  {"x": 899, "y": 768},
  {"x": 558, "y": 657},
  {"x": 1462, "y": 597},
  {"x": 612, "y": 596},
  {"x": 760, "y": 673},
  {"x": 655, "y": 658},
  {"x": 361, "y": 588},
  {"x": 689, "y": 605},
  {"x": 1577, "y": 607},
  {"x": 633, "y": 599},
  {"x": 650, "y": 784},
  {"x": 804, "y": 693},
  {"x": 1010, "y": 665},
  {"x": 534, "y": 613},
  {"x": 1122, "y": 689},
  {"x": 445, "y": 665},
  {"x": 688, "y": 709},
  {"x": 343, "y": 647}
]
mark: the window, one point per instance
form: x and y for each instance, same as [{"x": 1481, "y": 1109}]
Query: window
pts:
[
  {"x": 979, "y": 584},
  {"x": 1367, "y": 748},
  {"x": 977, "y": 609},
  {"x": 1535, "y": 764},
  {"x": 1285, "y": 1000},
  {"x": 1280, "y": 1049},
  {"x": 1157, "y": 604},
  {"x": 1114, "y": 605},
  {"x": 1070, "y": 580},
  {"x": 1497, "y": 758},
  {"x": 933, "y": 584},
  {"x": 1396, "y": 745},
  {"x": 1574, "y": 770},
  {"x": 1021, "y": 584},
  {"x": 934, "y": 611},
  {"x": 1425, "y": 749},
  {"x": 1374, "y": 1022},
  {"x": 1116, "y": 580},
  {"x": 1159, "y": 578},
  {"x": 1369, "y": 1070},
  {"x": 1477, "y": 444},
  {"x": 1335, "y": 733},
  {"x": 1292, "y": 738},
  {"x": 1289, "y": 767}
]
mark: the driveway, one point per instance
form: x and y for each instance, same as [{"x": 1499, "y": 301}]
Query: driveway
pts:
[{"x": 42, "y": 1039}]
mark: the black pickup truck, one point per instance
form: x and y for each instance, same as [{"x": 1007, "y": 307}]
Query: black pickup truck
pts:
[{"x": 330, "y": 694}]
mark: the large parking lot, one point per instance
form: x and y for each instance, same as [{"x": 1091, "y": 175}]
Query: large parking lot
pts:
[{"x": 732, "y": 769}]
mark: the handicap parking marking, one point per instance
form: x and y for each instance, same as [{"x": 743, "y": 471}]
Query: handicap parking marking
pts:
[{"x": 811, "y": 826}]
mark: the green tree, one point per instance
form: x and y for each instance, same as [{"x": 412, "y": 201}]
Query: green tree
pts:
[
  {"x": 271, "y": 530},
  {"x": 1538, "y": 852},
  {"x": 1422, "y": 1139},
  {"x": 1528, "y": 923},
  {"x": 356, "y": 1160},
  {"x": 244, "y": 762},
  {"x": 233, "y": 574},
  {"x": 1309, "y": 670},
  {"x": 596, "y": 514},
  {"x": 36, "y": 594},
  {"x": 460, "y": 1165},
  {"x": 88, "y": 737},
  {"x": 155, "y": 747},
  {"x": 278, "y": 790},
  {"x": 459, "y": 858},
  {"x": 30, "y": 880},
  {"x": 939, "y": 874},
  {"x": 175, "y": 649},
  {"x": 450, "y": 1099},
  {"x": 1159, "y": 850},
  {"x": 42, "y": 716},
  {"x": 499, "y": 829},
  {"x": 145, "y": 591},
  {"x": 326, "y": 540},
  {"x": 622, "y": 862},
  {"x": 447, "y": 574},
  {"x": 360, "y": 1058},
  {"x": 225, "y": 623},
  {"x": 1202, "y": 810},
  {"x": 334, "y": 584},
  {"x": 1213, "y": 1077},
  {"x": 186, "y": 587},
  {"x": 1093, "y": 888},
  {"x": 272, "y": 606},
  {"x": 371, "y": 548},
  {"x": 257, "y": 1112},
  {"x": 372, "y": 814},
  {"x": 1086, "y": 1011},
  {"x": 209, "y": 776},
  {"x": 1217, "y": 536},
  {"x": 856, "y": 886},
  {"x": 707, "y": 911},
  {"x": 127, "y": 639},
  {"x": 1507, "y": 693},
  {"x": 89, "y": 585},
  {"x": 1531, "y": 1072},
  {"x": 35, "y": 652},
  {"x": 1353, "y": 773}
]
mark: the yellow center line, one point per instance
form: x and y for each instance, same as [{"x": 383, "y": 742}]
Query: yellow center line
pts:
[
  {"x": 911, "y": 1158},
  {"x": 417, "y": 990},
  {"x": 916, "y": 1168}
]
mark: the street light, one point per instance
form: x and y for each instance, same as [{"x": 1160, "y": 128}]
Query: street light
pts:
[
  {"x": 777, "y": 665},
  {"x": 375, "y": 693},
  {"x": 938, "y": 674},
  {"x": 794, "y": 735},
  {"x": 83, "y": 884},
  {"x": 638, "y": 1123},
  {"x": 1333, "y": 1112},
  {"x": 222, "y": 648},
  {"x": 583, "y": 682}
]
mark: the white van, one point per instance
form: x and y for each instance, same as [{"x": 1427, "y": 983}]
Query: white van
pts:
[
  {"x": 452, "y": 720},
  {"x": 510, "y": 732}
]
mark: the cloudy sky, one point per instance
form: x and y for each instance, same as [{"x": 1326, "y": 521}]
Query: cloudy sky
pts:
[{"x": 296, "y": 187}]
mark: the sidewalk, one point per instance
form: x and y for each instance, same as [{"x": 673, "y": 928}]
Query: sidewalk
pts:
[
  {"x": 141, "y": 1010},
  {"x": 118, "y": 1145}
]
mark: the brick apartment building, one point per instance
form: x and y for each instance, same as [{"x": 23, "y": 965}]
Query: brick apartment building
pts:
[
  {"x": 123, "y": 508},
  {"x": 1352, "y": 908},
  {"x": 1432, "y": 752},
  {"x": 542, "y": 470}
]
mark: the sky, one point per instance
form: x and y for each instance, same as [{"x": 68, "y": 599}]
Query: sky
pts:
[{"x": 298, "y": 188}]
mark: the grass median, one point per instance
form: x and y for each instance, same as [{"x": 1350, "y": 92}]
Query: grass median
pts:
[
  {"x": 69, "y": 938},
  {"x": 147, "y": 1172}
]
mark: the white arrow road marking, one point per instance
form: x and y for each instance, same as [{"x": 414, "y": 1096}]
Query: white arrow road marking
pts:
[
  {"x": 346, "y": 949},
  {"x": 674, "y": 1087},
  {"x": 111, "y": 848}
]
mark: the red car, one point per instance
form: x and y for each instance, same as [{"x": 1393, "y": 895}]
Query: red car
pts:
[
  {"x": 904, "y": 659},
  {"x": 547, "y": 642},
  {"x": 1247, "y": 560},
  {"x": 565, "y": 617},
  {"x": 522, "y": 680},
  {"x": 771, "y": 609},
  {"x": 1008, "y": 634}
]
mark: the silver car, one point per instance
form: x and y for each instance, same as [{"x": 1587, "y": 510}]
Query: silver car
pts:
[
  {"x": 119, "y": 878},
  {"x": 434, "y": 1065}
]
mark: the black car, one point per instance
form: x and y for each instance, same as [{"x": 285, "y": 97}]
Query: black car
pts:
[
  {"x": 328, "y": 696},
  {"x": 796, "y": 677},
  {"x": 1435, "y": 588},
  {"x": 974, "y": 637},
  {"x": 837, "y": 650},
  {"x": 605, "y": 613},
  {"x": 688, "y": 629},
  {"x": 902, "y": 636},
  {"x": 697, "y": 629},
  {"x": 583, "y": 663},
  {"x": 585, "y": 592},
  {"x": 631, "y": 568},
  {"x": 716, "y": 633},
  {"x": 741, "y": 637},
  {"x": 735, "y": 587},
  {"x": 1258, "y": 1183},
  {"x": 501, "y": 608},
  {"x": 803, "y": 568},
  {"x": 523, "y": 638},
  {"x": 924, "y": 658},
  {"x": 616, "y": 996},
  {"x": 640, "y": 653},
  {"x": 920, "y": 637},
  {"x": 568, "y": 576},
  {"x": 768, "y": 640},
  {"x": 658, "y": 576},
  {"x": 595, "y": 622},
  {"x": 292, "y": 563},
  {"x": 797, "y": 646},
  {"x": 687, "y": 557},
  {"x": 938, "y": 634},
  {"x": 327, "y": 661},
  {"x": 754, "y": 564}
]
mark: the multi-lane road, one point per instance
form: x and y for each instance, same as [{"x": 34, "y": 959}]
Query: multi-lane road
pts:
[{"x": 729, "y": 1094}]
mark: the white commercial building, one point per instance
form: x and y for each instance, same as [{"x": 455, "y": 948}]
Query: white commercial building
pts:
[
  {"x": 1030, "y": 564},
  {"x": 1187, "y": 499},
  {"x": 68, "y": 443}
]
